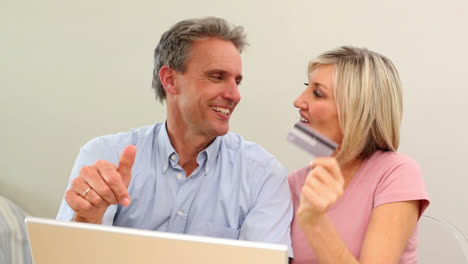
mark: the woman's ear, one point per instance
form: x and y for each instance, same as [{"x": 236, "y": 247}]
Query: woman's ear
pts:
[{"x": 167, "y": 77}]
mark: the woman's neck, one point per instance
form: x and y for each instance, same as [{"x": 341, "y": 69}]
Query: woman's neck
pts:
[{"x": 349, "y": 170}]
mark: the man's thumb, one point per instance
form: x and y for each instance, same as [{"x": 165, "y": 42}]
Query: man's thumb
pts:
[{"x": 127, "y": 158}]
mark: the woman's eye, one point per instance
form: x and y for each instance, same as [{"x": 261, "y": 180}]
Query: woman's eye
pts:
[{"x": 317, "y": 94}]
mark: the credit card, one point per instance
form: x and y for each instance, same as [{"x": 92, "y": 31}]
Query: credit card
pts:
[{"x": 311, "y": 141}]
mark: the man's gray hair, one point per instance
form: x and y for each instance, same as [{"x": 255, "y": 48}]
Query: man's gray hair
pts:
[{"x": 174, "y": 45}]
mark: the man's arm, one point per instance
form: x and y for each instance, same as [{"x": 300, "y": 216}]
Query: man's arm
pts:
[
  {"x": 92, "y": 189},
  {"x": 270, "y": 217}
]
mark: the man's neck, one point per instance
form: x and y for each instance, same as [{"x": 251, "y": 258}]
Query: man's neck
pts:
[{"x": 188, "y": 145}]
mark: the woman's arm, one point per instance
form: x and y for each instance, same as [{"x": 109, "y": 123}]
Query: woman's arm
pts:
[
  {"x": 389, "y": 228},
  {"x": 388, "y": 232}
]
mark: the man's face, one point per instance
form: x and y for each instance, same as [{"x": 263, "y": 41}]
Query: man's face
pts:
[{"x": 207, "y": 92}]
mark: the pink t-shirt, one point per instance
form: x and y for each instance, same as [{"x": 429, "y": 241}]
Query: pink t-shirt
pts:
[{"x": 383, "y": 178}]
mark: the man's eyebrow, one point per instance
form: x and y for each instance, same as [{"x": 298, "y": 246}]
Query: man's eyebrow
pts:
[{"x": 219, "y": 71}]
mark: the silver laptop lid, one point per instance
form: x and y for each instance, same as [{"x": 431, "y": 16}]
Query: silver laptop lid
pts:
[{"x": 56, "y": 242}]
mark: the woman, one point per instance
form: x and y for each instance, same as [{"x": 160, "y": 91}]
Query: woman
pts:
[{"x": 362, "y": 204}]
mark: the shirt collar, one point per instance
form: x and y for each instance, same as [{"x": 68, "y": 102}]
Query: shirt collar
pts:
[
  {"x": 167, "y": 152},
  {"x": 212, "y": 152}
]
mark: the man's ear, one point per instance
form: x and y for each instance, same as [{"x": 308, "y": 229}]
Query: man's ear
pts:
[{"x": 167, "y": 76}]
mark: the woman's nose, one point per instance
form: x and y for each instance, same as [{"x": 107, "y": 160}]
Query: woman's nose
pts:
[{"x": 300, "y": 102}]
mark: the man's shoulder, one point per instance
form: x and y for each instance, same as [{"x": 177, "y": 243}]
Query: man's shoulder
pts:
[
  {"x": 237, "y": 145},
  {"x": 119, "y": 140}
]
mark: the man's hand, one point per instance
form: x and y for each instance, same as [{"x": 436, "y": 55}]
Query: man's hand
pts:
[{"x": 100, "y": 185}]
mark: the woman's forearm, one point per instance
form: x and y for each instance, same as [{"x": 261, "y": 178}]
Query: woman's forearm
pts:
[{"x": 327, "y": 243}]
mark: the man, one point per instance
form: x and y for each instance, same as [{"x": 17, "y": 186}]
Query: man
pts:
[{"x": 188, "y": 174}]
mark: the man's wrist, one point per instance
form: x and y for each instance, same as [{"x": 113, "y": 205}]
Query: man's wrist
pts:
[{"x": 81, "y": 219}]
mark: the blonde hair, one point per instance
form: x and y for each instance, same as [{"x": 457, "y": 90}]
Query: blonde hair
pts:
[{"x": 369, "y": 100}]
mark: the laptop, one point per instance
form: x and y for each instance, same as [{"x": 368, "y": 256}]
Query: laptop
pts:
[{"x": 57, "y": 242}]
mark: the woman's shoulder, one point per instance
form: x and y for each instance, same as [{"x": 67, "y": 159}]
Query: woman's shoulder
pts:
[
  {"x": 391, "y": 160},
  {"x": 394, "y": 172},
  {"x": 297, "y": 178},
  {"x": 387, "y": 168},
  {"x": 299, "y": 174},
  {"x": 397, "y": 177}
]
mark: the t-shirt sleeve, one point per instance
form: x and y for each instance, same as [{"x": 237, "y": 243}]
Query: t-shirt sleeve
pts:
[{"x": 403, "y": 181}]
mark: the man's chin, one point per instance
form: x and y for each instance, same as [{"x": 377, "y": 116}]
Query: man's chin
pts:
[{"x": 221, "y": 131}]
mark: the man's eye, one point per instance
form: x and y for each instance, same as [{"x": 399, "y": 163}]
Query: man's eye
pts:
[
  {"x": 217, "y": 76},
  {"x": 306, "y": 84}
]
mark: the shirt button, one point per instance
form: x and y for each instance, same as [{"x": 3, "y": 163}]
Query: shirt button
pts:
[
  {"x": 173, "y": 157},
  {"x": 180, "y": 212},
  {"x": 207, "y": 170},
  {"x": 165, "y": 169},
  {"x": 179, "y": 176}
]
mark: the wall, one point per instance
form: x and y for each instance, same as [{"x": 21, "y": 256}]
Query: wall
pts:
[{"x": 73, "y": 70}]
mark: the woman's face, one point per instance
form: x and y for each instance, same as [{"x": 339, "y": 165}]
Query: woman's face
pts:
[{"x": 317, "y": 103}]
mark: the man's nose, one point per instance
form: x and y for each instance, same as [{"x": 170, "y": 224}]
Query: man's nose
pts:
[{"x": 232, "y": 92}]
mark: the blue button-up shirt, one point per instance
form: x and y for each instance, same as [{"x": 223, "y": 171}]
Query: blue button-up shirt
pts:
[{"x": 238, "y": 190}]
